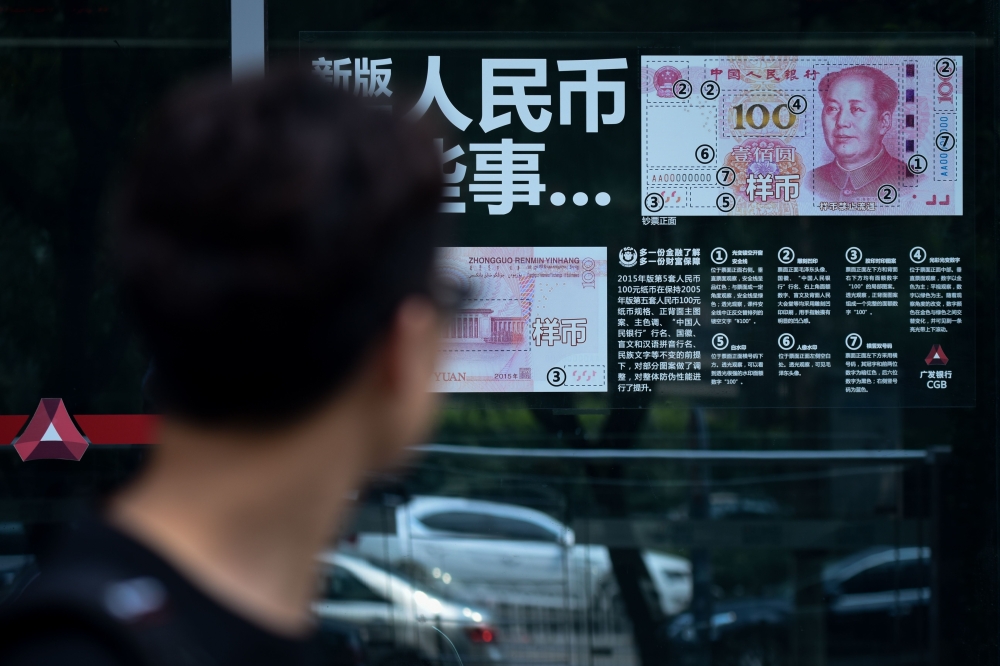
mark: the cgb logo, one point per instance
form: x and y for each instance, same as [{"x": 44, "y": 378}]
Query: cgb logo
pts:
[
  {"x": 936, "y": 356},
  {"x": 51, "y": 434},
  {"x": 628, "y": 257}
]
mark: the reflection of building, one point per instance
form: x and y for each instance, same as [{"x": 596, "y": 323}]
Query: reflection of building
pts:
[
  {"x": 477, "y": 325},
  {"x": 466, "y": 324},
  {"x": 506, "y": 330}
]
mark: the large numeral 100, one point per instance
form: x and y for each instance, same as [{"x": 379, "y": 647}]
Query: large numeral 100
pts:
[{"x": 765, "y": 116}]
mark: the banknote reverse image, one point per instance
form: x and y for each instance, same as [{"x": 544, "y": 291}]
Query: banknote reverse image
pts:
[
  {"x": 535, "y": 320},
  {"x": 801, "y": 135}
]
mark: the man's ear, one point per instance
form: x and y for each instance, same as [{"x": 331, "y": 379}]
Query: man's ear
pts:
[
  {"x": 403, "y": 370},
  {"x": 885, "y": 122},
  {"x": 411, "y": 345}
]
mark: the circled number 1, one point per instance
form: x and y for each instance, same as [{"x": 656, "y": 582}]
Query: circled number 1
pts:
[{"x": 917, "y": 164}]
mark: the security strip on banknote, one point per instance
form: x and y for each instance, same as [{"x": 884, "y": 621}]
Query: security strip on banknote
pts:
[
  {"x": 801, "y": 135},
  {"x": 535, "y": 320}
]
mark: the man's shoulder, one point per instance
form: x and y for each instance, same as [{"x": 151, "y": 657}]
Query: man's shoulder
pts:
[
  {"x": 60, "y": 618},
  {"x": 96, "y": 596},
  {"x": 59, "y": 647},
  {"x": 124, "y": 595}
]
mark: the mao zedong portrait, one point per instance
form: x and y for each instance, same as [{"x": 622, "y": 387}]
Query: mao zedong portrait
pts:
[{"x": 858, "y": 105}]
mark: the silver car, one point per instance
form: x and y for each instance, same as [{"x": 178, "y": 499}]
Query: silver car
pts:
[
  {"x": 514, "y": 555},
  {"x": 402, "y": 622}
]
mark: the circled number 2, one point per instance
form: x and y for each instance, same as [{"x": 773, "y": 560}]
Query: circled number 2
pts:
[
  {"x": 682, "y": 89},
  {"x": 887, "y": 194},
  {"x": 710, "y": 89},
  {"x": 945, "y": 67}
]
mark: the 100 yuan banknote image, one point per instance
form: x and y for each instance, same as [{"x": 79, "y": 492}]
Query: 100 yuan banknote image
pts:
[
  {"x": 535, "y": 319},
  {"x": 801, "y": 135}
]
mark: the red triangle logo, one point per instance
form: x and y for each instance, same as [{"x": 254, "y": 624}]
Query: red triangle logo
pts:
[
  {"x": 936, "y": 356},
  {"x": 51, "y": 434}
]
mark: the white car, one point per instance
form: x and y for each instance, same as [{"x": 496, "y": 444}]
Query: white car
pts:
[
  {"x": 402, "y": 622},
  {"x": 509, "y": 554}
]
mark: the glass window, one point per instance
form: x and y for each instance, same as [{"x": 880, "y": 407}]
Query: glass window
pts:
[
  {"x": 460, "y": 522},
  {"x": 520, "y": 530},
  {"x": 914, "y": 574},
  {"x": 487, "y": 525},
  {"x": 895, "y": 575},
  {"x": 877, "y": 579},
  {"x": 758, "y": 395},
  {"x": 750, "y": 335}
]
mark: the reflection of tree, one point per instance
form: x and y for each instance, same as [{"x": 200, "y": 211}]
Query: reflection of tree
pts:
[
  {"x": 638, "y": 593},
  {"x": 69, "y": 111},
  {"x": 95, "y": 129},
  {"x": 75, "y": 109}
]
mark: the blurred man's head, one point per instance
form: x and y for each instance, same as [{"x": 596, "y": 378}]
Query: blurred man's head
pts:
[
  {"x": 858, "y": 103},
  {"x": 275, "y": 242}
]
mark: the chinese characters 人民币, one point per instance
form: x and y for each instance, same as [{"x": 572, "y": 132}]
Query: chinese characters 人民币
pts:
[
  {"x": 858, "y": 105},
  {"x": 506, "y": 172}
]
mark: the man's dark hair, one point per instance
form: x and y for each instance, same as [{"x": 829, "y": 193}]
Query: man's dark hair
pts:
[
  {"x": 884, "y": 89},
  {"x": 265, "y": 235}
]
